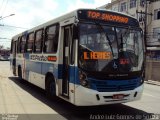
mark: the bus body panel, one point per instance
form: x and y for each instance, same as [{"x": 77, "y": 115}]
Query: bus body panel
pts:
[
  {"x": 35, "y": 67},
  {"x": 37, "y": 79},
  {"x": 88, "y": 97}
]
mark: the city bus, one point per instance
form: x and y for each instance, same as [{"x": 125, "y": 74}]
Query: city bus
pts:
[
  {"x": 86, "y": 57},
  {"x": 4, "y": 54}
]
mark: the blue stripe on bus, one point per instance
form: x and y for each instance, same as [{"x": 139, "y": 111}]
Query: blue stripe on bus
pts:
[
  {"x": 114, "y": 85},
  {"x": 74, "y": 75},
  {"x": 105, "y": 85},
  {"x": 95, "y": 84},
  {"x": 43, "y": 68}
]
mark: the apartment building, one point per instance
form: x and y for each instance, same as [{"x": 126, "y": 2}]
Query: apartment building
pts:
[{"x": 136, "y": 8}]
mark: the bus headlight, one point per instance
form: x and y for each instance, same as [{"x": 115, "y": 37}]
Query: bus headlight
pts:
[{"x": 83, "y": 79}]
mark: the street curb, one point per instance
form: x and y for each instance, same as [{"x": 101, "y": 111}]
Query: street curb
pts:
[{"x": 152, "y": 82}]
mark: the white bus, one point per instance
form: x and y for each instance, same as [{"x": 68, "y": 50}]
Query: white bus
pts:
[{"x": 87, "y": 57}]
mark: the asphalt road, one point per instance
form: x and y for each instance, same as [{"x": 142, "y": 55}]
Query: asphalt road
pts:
[{"x": 23, "y": 101}]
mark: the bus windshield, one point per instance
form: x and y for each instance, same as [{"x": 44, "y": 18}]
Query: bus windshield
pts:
[{"x": 110, "y": 49}]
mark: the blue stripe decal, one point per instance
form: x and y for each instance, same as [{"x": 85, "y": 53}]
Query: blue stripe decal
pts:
[
  {"x": 95, "y": 84},
  {"x": 60, "y": 71},
  {"x": 114, "y": 85},
  {"x": 105, "y": 85},
  {"x": 74, "y": 75}
]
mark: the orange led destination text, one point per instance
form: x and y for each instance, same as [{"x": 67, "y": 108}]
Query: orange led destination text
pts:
[
  {"x": 97, "y": 55},
  {"x": 107, "y": 17}
]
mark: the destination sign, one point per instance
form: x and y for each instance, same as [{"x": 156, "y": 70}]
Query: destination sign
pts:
[
  {"x": 108, "y": 17},
  {"x": 97, "y": 55}
]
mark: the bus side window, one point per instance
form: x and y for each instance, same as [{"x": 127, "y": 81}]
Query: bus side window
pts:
[
  {"x": 38, "y": 41},
  {"x": 11, "y": 46},
  {"x": 19, "y": 45},
  {"x": 51, "y": 41},
  {"x": 23, "y": 44},
  {"x": 30, "y": 42}
]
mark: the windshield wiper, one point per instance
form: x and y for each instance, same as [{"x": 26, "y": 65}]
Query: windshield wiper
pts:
[
  {"x": 103, "y": 31},
  {"x": 124, "y": 36},
  {"x": 86, "y": 47}
]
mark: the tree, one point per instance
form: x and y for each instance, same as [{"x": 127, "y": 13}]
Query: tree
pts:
[
  {"x": 8, "y": 48},
  {"x": 1, "y": 47}
]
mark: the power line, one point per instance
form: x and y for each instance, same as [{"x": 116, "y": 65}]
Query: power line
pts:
[
  {"x": 12, "y": 26},
  {"x": 1, "y": 5},
  {"x": 4, "y": 8},
  {"x": 5, "y": 38},
  {"x": 5, "y": 41}
]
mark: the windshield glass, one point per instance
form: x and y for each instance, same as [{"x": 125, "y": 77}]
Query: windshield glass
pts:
[{"x": 110, "y": 49}]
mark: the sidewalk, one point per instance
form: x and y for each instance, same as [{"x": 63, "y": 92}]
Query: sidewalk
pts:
[{"x": 152, "y": 82}]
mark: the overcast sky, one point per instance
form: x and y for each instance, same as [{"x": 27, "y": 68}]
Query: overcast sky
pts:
[{"x": 30, "y": 13}]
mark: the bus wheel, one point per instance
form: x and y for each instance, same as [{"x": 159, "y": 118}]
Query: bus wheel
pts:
[
  {"x": 19, "y": 72},
  {"x": 50, "y": 87}
]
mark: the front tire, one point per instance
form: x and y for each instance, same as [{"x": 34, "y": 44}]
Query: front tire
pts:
[
  {"x": 50, "y": 87},
  {"x": 19, "y": 72}
]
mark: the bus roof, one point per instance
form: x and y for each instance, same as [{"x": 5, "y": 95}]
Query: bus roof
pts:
[
  {"x": 122, "y": 13},
  {"x": 64, "y": 17}
]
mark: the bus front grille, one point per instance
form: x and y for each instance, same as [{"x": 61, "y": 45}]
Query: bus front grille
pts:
[{"x": 114, "y": 85}]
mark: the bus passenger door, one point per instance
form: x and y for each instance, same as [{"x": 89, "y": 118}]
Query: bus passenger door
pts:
[{"x": 66, "y": 61}]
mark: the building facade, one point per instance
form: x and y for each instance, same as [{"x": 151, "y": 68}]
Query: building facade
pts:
[{"x": 138, "y": 9}]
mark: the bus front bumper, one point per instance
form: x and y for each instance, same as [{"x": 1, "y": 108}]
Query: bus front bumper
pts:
[{"x": 89, "y": 97}]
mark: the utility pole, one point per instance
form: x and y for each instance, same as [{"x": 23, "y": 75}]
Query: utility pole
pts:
[
  {"x": 145, "y": 23},
  {"x": 145, "y": 19}
]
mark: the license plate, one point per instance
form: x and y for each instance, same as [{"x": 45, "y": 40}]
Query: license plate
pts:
[{"x": 118, "y": 96}]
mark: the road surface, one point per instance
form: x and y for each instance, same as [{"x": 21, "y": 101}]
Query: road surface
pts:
[{"x": 25, "y": 101}]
